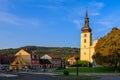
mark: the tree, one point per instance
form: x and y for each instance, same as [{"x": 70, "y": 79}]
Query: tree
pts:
[{"x": 108, "y": 48}]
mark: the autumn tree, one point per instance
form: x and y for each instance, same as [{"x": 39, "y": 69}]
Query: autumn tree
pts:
[{"x": 108, "y": 48}]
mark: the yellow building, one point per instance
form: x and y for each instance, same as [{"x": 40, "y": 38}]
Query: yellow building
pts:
[
  {"x": 25, "y": 56},
  {"x": 87, "y": 48},
  {"x": 17, "y": 63}
]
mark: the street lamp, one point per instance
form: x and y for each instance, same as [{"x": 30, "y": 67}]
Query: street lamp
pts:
[
  {"x": 77, "y": 65},
  {"x": 77, "y": 58}
]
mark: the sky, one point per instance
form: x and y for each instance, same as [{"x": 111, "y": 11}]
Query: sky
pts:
[{"x": 54, "y": 23}]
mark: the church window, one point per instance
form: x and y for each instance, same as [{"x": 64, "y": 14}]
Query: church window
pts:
[
  {"x": 84, "y": 40},
  {"x": 85, "y": 35}
]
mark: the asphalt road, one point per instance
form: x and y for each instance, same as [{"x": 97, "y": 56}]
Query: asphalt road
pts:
[
  {"x": 26, "y": 76},
  {"x": 41, "y": 76}
]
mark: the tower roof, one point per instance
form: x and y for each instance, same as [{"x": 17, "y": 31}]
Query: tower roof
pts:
[
  {"x": 86, "y": 14},
  {"x": 86, "y": 27}
]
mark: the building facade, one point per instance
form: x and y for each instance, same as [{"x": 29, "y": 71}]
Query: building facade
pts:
[{"x": 87, "y": 48}]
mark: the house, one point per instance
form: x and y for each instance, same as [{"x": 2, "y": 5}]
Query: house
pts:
[
  {"x": 4, "y": 62},
  {"x": 71, "y": 60},
  {"x": 35, "y": 64},
  {"x": 45, "y": 63},
  {"x": 54, "y": 59},
  {"x": 30, "y": 57},
  {"x": 18, "y": 64},
  {"x": 12, "y": 62},
  {"x": 25, "y": 55}
]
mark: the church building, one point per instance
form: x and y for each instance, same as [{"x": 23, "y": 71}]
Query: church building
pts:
[{"x": 86, "y": 45}]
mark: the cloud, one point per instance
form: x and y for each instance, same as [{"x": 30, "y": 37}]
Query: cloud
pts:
[
  {"x": 95, "y": 14},
  {"x": 97, "y": 4},
  {"x": 78, "y": 23},
  {"x": 8, "y": 18},
  {"x": 105, "y": 23}
]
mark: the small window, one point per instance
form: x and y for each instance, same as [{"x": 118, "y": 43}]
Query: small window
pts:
[
  {"x": 32, "y": 56},
  {"x": 85, "y": 35},
  {"x": 35, "y": 57},
  {"x": 84, "y": 40}
]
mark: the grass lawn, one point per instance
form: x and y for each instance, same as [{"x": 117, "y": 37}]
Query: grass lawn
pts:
[
  {"x": 89, "y": 70},
  {"x": 74, "y": 76}
]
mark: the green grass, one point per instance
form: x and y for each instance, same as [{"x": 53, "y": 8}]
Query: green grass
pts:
[
  {"x": 74, "y": 76},
  {"x": 89, "y": 70}
]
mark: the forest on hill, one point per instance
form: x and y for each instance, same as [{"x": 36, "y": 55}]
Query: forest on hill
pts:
[
  {"x": 108, "y": 48},
  {"x": 60, "y": 51}
]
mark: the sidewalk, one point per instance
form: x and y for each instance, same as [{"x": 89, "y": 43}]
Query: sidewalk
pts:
[{"x": 7, "y": 75}]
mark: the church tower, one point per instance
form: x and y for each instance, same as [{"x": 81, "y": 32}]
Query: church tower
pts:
[{"x": 85, "y": 40}]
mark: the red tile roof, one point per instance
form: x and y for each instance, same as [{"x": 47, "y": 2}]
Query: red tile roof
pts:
[{"x": 53, "y": 55}]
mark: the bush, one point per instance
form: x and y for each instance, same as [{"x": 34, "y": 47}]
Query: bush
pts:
[
  {"x": 83, "y": 63},
  {"x": 66, "y": 72},
  {"x": 59, "y": 68}
]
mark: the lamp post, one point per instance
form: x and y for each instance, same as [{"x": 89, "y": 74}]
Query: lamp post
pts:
[{"x": 77, "y": 64}]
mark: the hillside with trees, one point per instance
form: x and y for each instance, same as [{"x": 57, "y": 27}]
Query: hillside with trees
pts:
[
  {"x": 108, "y": 48},
  {"x": 61, "y": 51}
]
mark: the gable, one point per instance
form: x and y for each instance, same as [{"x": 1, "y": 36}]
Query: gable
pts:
[
  {"x": 45, "y": 57},
  {"x": 18, "y": 60},
  {"x": 22, "y": 52}
]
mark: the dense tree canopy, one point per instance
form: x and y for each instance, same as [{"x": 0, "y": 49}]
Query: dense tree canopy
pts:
[{"x": 108, "y": 47}]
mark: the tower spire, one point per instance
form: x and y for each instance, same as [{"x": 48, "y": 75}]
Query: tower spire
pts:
[
  {"x": 86, "y": 13},
  {"x": 86, "y": 27}
]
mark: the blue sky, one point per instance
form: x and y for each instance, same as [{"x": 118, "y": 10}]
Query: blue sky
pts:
[{"x": 54, "y": 23}]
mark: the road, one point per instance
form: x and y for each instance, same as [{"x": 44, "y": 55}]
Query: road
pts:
[{"x": 47, "y": 76}]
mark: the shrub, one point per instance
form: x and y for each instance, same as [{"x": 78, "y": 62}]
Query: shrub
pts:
[{"x": 66, "y": 72}]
